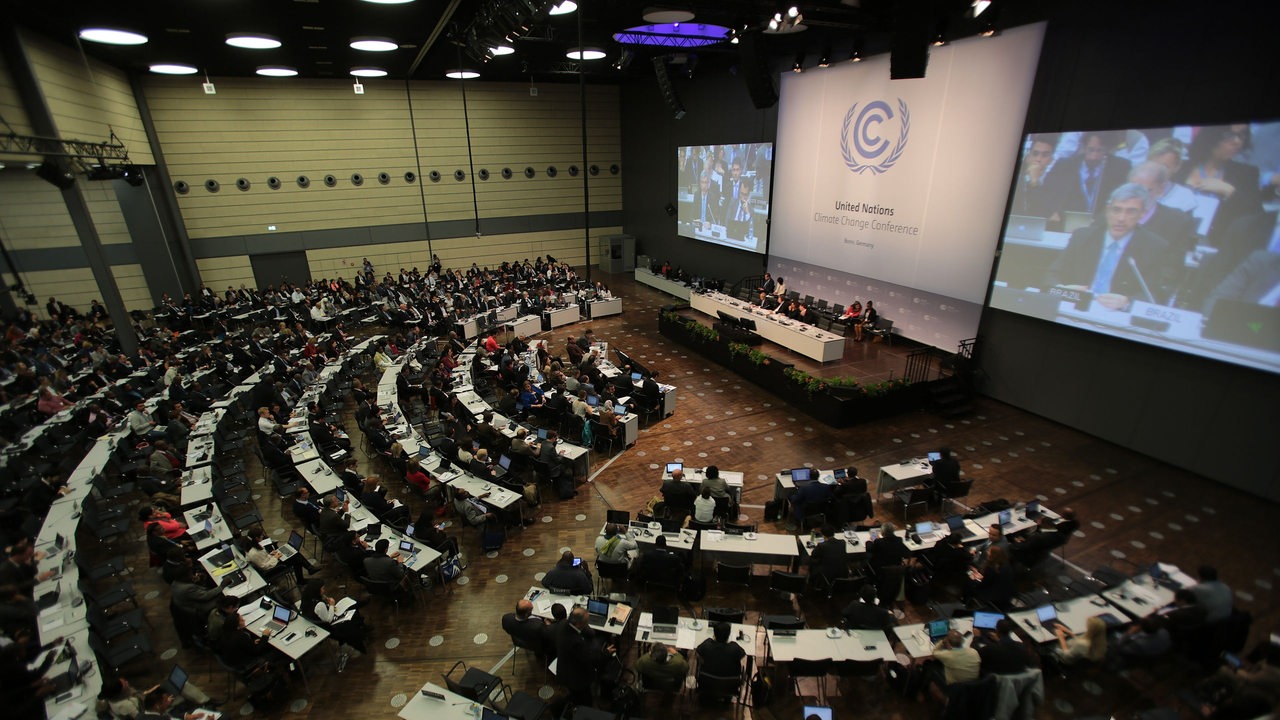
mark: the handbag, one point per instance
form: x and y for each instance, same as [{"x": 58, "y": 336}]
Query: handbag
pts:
[{"x": 451, "y": 568}]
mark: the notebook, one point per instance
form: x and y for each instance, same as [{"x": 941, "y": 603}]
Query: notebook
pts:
[
  {"x": 986, "y": 620},
  {"x": 957, "y": 525},
  {"x": 672, "y": 467},
  {"x": 937, "y": 629},
  {"x": 800, "y": 475},
  {"x": 666, "y": 621},
  {"x": 293, "y": 546},
  {"x": 1006, "y": 518},
  {"x": 597, "y": 612},
  {"x": 1048, "y": 617},
  {"x": 1025, "y": 227},
  {"x": 280, "y": 617}
]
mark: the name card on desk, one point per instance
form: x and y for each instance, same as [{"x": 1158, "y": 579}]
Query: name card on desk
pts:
[{"x": 1171, "y": 321}]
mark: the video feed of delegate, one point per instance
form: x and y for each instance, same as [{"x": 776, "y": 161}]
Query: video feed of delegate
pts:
[
  {"x": 1166, "y": 236},
  {"x": 724, "y": 194}
]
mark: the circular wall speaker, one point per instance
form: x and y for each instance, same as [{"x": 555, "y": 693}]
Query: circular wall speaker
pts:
[
  {"x": 483, "y": 173},
  {"x": 551, "y": 171},
  {"x": 410, "y": 176},
  {"x": 529, "y": 172},
  {"x": 182, "y": 187},
  {"x": 594, "y": 169},
  {"x": 212, "y": 185},
  {"x": 506, "y": 173},
  {"x": 434, "y": 176},
  {"x": 384, "y": 177},
  {"x": 459, "y": 175},
  {"x": 242, "y": 184},
  {"x": 304, "y": 181},
  {"x": 273, "y": 182},
  {"x": 614, "y": 169},
  {"x": 330, "y": 180},
  {"x": 573, "y": 171},
  {"x": 357, "y": 179}
]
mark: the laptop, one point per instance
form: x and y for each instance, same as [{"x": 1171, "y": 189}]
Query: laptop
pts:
[
  {"x": 1243, "y": 323},
  {"x": 957, "y": 526},
  {"x": 491, "y": 714},
  {"x": 406, "y": 546},
  {"x": 176, "y": 681},
  {"x": 1033, "y": 509},
  {"x": 292, "y": 547},
  {"x": 69, "y": 679},
  {"x": 504, "y": 462},
  {"x": 986, "y": 620},
  {"x": 801, "y": 475},
  {"x": 619, "y": 409},
  {"x": 221, "y": 558},
  {"x": 50, "y": 598},
  {"x": 203, "y": 533},
  {"x": 372, "y": 531},
  {"x": 1074, "y": 220},
  {"x": 666, "y": 621},
  {"x": 597, "y": 612},
  {"x": 672, "y": 467},
  {"x": 924, "y": 528},
  {"x": 542, "y": 433},
  {"x": 937, "y": 629},
  {"x": 232, "y": 579},
  {"x": 1048, "y": 617},
  {"x": 593, "y": 400},
  {"x": 280, "y": 617},
  {"x": 620, "y": 517},
  {"x": 1005, "y": 518},
  {"x": 636, "y": 377},
  {"x": 821, "y": 712},
  {"x": 1025, "y": 227},
  {"x": 935, "y": 456}
]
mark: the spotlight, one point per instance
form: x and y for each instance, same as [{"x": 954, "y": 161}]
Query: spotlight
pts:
[
  {"x": 798, "y": 65},
  {"x": 824, "y": 60}
]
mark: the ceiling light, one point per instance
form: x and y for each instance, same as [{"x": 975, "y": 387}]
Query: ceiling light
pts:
[
  {"x": 112, "y": 36},
  {"x": 253, "y": 41},
  {"x": 939, "y": 40},
  {"x": 587, "y": 53},
  {"x": 798, "y": 65},
  {"x": 824, "y": 60},
  {"x": 389, "y": 2},
  {"x": 563, "y": 8},
  {"x": 497, "y": 50},
  {"x": 659, "y": 16},
  {"x": 172, "y": 69},
  {"x": 461, "y": 74},
  {"x": 368, "y": 72},
  {"x": 374, "y": 44},
  {"x": 276, "y": 71},
  {"x": 979, "y": 6},
  {"x": 793, "y": 12}
]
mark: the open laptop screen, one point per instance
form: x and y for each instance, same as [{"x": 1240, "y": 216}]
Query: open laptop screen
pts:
[
  {"x": 672, "y": 467},
  {"x": 801, "y": 475},
  {"x": 986, "y": 620}
]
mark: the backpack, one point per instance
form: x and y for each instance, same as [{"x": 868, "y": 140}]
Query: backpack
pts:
[{"x": 761, "y": 689}]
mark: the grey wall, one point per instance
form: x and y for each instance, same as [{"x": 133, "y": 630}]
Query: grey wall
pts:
[
  {"x": 1215, "y": 419},
  {"x": 718, "y": 110}
]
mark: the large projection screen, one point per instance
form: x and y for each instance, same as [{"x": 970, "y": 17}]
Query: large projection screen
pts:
[
  {"x": 723, "y": 193},
  {"x": 1191, "y": 214},
  {"x": 894, "y": 190}
]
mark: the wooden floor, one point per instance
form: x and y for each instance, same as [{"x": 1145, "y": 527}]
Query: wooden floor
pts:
[{"x": 1134, "y": 511}]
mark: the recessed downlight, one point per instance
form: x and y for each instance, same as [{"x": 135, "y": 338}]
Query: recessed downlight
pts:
[
  {"x": 112, "y": 36},
  {"x": 276, "y": 71},
  {"x": 374, "y": 44},
  {"x": 172, "y": 69},
  {"x": 587, "y": 53},
  {"x": 253, "y": 41},
  {"x": 461, "y": 74},
  {"x": 368, "y": 72}
]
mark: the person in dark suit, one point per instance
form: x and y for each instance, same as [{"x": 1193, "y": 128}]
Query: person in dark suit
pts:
[
  {"x": 707, "y": 205},
  {"x": 1083, "y": 182},
  {"x": 866, "y": 320},
  {"x": 568, "y": 576},
  {"x": 1256, "y": 280},
  {"x": 1001, "y": 652},
  {"x": 946, "y": 469},
  {"x": 580, "y": 656},
  {"x": 1211, "y": 170},
  {"x": 1031, "y": 198},
  {"x": 658, "y": 562},
  {"x": 1177, "y": 227},
  {"x": 717, "y": 656},
  {"x": 863, "y": 614},
  {"x": 522, "y": 625},
  {"x": 830, "y": 558},
  {"x": 384, "y": 567},
  {"x": 1102, "y": 262}
]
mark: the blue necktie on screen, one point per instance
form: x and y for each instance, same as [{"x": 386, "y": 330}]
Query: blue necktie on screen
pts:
[{"x": 1106, "y": 268}]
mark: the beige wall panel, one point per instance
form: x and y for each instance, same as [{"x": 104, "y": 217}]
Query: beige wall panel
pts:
[
  {"x": 32, "y": 214},
  {"x": 75, "y": 287},
  {"x": 220, "y": 272},
  {"x": 13, "y": 111},
  {"x": 133, "y": 287},
  {"x": 87, "y": 104},
  {"x": 105, "y": 211}
]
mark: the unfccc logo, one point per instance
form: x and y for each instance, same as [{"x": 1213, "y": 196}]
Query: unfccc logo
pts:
[{"x": 869, "y": 147}]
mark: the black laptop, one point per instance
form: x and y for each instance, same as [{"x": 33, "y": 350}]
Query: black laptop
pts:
[
  {"x": 1244, "y": 323},
  {"x": 958, "y": 526},
  {"x": 69, "y": 679}
]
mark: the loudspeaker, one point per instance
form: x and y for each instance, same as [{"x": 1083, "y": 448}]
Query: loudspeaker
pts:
[
  {"x": 671, "y": 209},
  {"x": 664, "y": 85},
  {"x": 56, "y": 174},
  {"x": 909, "y": 53},
  {"x": 755, "y": 71}
]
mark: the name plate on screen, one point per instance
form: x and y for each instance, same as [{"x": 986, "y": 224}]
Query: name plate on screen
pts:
[
  {"x": 1081, "y": 298},
  {"x": 1171, "y": 321}
]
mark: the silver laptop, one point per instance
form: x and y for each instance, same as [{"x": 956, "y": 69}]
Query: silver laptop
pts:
[
  {"x": 1074, "y": 220},
  {"x": 1025, "y": 227}
]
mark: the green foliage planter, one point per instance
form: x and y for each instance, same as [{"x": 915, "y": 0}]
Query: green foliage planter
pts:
[{"x": 836, "y": 401}]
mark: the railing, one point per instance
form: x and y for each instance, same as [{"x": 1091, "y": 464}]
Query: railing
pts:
[
  {"x": 751, "y": 282},
  {"x": 919, "y": 364}
]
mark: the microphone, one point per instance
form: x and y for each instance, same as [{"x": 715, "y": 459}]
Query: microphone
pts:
[{"x": 1138, "y": 274}]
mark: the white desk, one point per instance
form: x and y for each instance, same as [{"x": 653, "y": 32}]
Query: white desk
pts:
[
  {"x": 732, "y": 478},
  {"x": 684, "y": 539},
  {"x": 498, "y": 496},
  {"x": 916, "y": 640},
  {"x": 1139, "y": 597},
  {"x": 784, "y": 486},
  {"x": 219, "y": 534},
  {"x": 197, "y": 486},
  {"x": 670, "y": 287},
  {"x": 690, "y": 632},
  {"x": 543, "y": 599},
  {"x": 200, "y": 451},
  {"x": 895, "y": 477},
  {"x": 253, "y": 580},
  {"x": 561, "y": 316},
  {"x": 316, "y": 473},
  {"x": 525, "y": 325},
  {"x": 762, "y": 548},
  {"x": 1073, "y": 613},
  {"x": 795, "y": 335},
  {"x": 840, "y": 645},
  {"x": 452, "y": 707},
  {"x": 604, "y": 308}
]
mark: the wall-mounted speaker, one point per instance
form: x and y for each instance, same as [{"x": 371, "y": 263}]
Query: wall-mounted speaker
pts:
[
  {"x": 459, "y": 175},
  {"x": 410, "y": 176},
  {"x": 665, "y": 87},
  {"x": 384, "y": 177},
  {"x": 56, "y": 174},
  {"x": 304, "y": 181},
  {"x": 671, "y": 209},
  {"x": 614, "y": 169},
  {"x": 273, "y": 182},
  {"x": 483, "y": 173},
  {"x": 434, "y": 176},
  {"x": 506, "y": 173},
  {"x": 573, "y": 171},
  {"x": 182, "y": 187},
  {"x": 330, "y": 180},
  {"x": 594, "y": 169},
  {"x": 551, "y": 171},
  {"x": 243, "y": 184},
  {"x": 212, "y": 185},
  {"x": 755, "y": 71},
  {"x": 529, "y": 172},
  {"x": 357, "y": 179}
]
